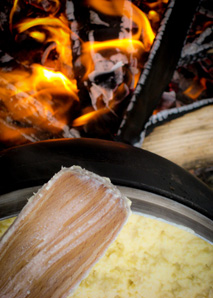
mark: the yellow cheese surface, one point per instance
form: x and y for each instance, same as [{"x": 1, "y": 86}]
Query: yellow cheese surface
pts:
[{"x": 150, "y": 259}]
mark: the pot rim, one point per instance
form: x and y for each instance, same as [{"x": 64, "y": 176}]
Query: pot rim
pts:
[
  {"x": 143, "y": 202},
  {"x": 34, "y": 164}
]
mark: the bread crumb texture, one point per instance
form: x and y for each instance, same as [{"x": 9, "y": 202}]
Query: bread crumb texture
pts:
[{"x": 149, "y": 259}]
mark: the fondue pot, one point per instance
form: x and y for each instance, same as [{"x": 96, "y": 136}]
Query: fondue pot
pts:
[{"x": 156, "y": 186}]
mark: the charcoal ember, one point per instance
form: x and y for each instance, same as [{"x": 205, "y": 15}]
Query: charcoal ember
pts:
[
  {"x": 199, "y": 49},
  {"x": 49, "y": 6},
  {"x": 104, "y": 125},
  {"x": 198, "y": 45},
  {"x": 206, "y": 65},
  {"x": 206, "y": 8},
  {"x": 168, "y": 101},
  {"x": 107, "y": 79},
  {"x": 193, "y": 79},
  {"x": 86, "y": 25},
  {"x": 110, "y": 77}
]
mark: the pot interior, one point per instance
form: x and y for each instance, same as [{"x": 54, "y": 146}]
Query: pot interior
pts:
[{"x": 143, "y": 202}]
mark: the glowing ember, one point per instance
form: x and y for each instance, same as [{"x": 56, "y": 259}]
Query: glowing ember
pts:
[
  {"x": 196, "y": 88},
  {"x": 42, "y": 95}
]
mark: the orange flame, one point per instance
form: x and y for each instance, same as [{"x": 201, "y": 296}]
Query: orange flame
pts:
[
  {"x": 48, "y": 21},
  {"x": 58, "y": 34},
  {"x": 12, "y": 134},
  {"x": 196, "y": 88},
  {"x": 128, "y": 46},
  {"x": 39, "y": 36},
  {"x": 125, "y": 44},
  {"x": 111, "y": 8},
  {"x": 13, "y": 10},
  {"x": 132, "y": 12},
  {"x": 42, "y": 97},
  {"x": 34, "y": 96},
  {"x": 84, "y": 119},
  {"x": 144, "y": 28}
]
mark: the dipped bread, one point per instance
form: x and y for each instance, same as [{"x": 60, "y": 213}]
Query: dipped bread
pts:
[{"x": 60, "y": 234}]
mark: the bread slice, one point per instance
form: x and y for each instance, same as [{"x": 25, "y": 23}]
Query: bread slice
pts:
[{"x": 60, "y": 234}]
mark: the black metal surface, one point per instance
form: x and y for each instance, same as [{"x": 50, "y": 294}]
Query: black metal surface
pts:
[{"x": 32, "y": 165}]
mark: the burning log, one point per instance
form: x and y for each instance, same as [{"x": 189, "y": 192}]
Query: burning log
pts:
[
  {"x": 167, "y": 48},
  {"x": 59, "y": 235},
  {"x": 103, "y": 50},
  {"x": 32, "y": 95},
  {"x": 98, "y": 51},
  {"x": 191, "y": 84},
  {"x": 198, "y": 49}
]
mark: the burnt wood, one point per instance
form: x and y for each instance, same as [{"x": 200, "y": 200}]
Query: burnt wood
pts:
[{"x": 158, "y": 70}]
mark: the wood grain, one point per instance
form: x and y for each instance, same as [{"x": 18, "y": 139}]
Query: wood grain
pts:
[
  {"x": 187, "y": 141},
  {"x": 60, "y": 234}
]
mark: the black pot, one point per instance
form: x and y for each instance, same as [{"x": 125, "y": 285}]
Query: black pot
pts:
[{"x": 155, "y": 185}]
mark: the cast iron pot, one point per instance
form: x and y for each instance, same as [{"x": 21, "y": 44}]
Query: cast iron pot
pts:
[{"x": 155, "y": 185}]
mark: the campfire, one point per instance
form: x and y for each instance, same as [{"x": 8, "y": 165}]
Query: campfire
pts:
[
  {"x": 72, "y": 68},
  {"x": 63, "y": 72}
]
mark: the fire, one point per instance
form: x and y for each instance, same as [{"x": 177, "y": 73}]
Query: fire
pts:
[
  {"x": 142, "y": 23},
  {"x": 112, "y": 8},
  {"x": 34, "y": 97},
  {"x": 43, "y": 5},
  {"x": 84, "y": 119},
  {"x": 57, "y": 35},
  {"x": 47, "y": 79},
  {"x": 15, "y": 4},
  {"x": 131, "y": 12},
  {"x": 41, "y": 95},
  {"x": 129, "y": 45},
  {"x": 39, "y": 36},
  {"x": 196, "y": 88},
  {"x": 29, "y": 23}
]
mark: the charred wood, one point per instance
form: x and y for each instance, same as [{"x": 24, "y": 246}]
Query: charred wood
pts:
[
  {"x": 167, "y": 47},
  {"x": 198, "y": 49}
]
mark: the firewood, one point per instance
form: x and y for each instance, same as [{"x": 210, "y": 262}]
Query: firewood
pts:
[
  {"x": 187, "y": 141},
  {"x": 61, "y": 232}
]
